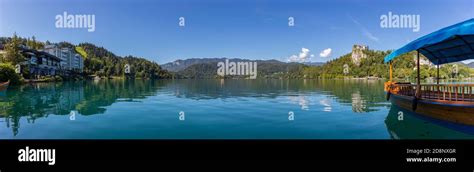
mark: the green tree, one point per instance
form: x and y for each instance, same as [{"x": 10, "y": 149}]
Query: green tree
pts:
[
  {"x": 13, "y": 54},
  {"x": 7, "y": 72}
]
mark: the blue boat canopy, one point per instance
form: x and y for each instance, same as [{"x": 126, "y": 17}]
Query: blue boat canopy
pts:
[{"x": 451, "y": 44}]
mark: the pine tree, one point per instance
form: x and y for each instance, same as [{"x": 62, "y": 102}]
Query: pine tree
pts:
[{"x": 13, "y": 54}]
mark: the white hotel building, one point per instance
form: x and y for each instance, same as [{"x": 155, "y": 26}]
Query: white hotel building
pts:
[{"x": 70, "y": 60}]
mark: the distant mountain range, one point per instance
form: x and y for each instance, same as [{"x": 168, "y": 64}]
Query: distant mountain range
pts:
[
  {"x": 471, "y": 65},
  {"x": 207, "y": 67},
  {"x": 314, "y": 63},
  {"x": 180, "y": 65}
]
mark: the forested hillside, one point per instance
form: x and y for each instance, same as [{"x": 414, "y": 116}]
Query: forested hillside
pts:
[
  {"x": 404, "y": 67},
  {"x": 100, "y": 61}
]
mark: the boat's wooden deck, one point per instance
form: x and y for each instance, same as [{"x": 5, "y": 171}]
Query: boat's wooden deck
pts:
[
  {"x": 447, "y": 97},
  {"x": 442, "y": 92}
]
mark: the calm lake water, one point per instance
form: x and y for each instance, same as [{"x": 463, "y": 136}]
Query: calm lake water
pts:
[{"x": 210, "y": 109}]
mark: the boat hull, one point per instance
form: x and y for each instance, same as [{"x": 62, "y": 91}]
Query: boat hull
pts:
[
  {"x": 461, "y": 113},
  {"x": 4, "y": 86}
]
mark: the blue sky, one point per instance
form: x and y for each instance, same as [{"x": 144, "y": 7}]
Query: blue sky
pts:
[{"x": 253, "y": 29}]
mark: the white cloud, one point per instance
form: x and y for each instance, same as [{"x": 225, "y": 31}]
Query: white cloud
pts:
[
  {"x": 293, "y": 58},
  {"x": 467, "y": 61},
  {"x": 302, "y": 56},
  {"x": 325, "y": 52},
  {"x": 304, "y": 53}
]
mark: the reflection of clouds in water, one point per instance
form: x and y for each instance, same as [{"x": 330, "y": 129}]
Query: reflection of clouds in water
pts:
[
  {"x": 303, "y": 101},
  {"x": 327, "y": 105}
]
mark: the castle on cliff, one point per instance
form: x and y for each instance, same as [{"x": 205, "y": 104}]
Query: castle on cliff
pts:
[{"x": 358, "y": 53}]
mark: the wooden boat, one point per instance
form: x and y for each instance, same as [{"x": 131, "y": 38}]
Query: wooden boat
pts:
[
  {"x": 4, "y": 86},
  {"x": 415, "y": 126},
  {"x": 447, "y": 102}
]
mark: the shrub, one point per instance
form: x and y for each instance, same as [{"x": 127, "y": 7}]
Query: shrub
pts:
[
  {"x": 58, "y": 78},
  {"x": 7, "y": 72}
]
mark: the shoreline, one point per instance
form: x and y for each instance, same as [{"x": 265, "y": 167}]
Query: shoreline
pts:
[{"x": 92, "y": 78}]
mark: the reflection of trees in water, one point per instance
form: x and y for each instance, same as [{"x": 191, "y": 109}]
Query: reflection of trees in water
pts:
[
  {"x": 414, "y": 126},
  {"x": 212, "y": 88},
  {"x": 100, "y": 94},
  {"x": 41, "y": 99},
  {"x": 362, "y": 95},
  {"x": 37, "y": 101}
]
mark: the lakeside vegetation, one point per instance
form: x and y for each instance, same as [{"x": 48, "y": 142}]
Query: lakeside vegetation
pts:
[
  {"x": 7, "y": 72},
  {"x": 98, "y": 61}
]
